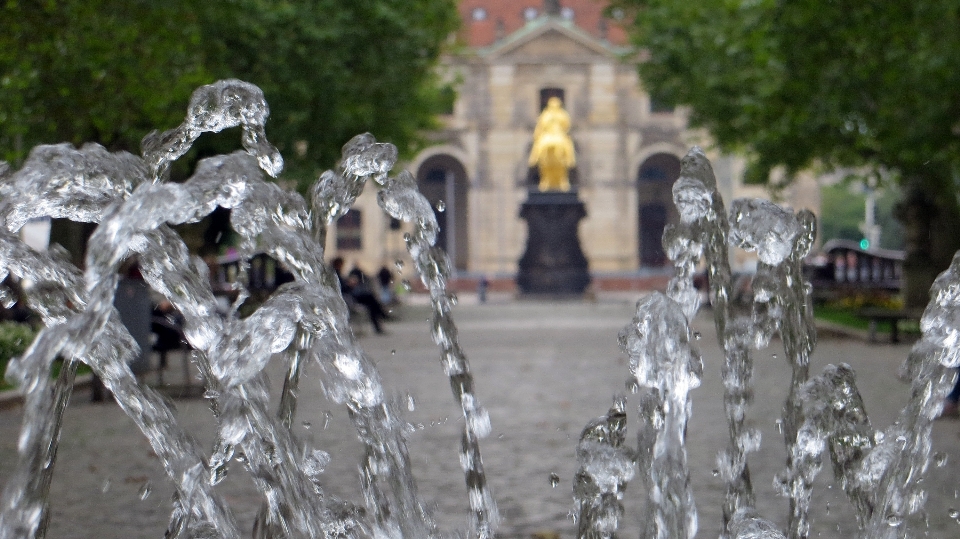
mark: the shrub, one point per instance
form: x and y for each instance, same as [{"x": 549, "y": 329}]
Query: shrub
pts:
[{"x": 14, "y": 339}]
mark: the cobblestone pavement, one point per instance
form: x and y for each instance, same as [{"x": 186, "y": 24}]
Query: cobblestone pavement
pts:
[{"x": 543, "y": 370}]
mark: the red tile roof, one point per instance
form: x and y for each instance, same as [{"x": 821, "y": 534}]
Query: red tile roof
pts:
[{"x": 500, "y": 18}]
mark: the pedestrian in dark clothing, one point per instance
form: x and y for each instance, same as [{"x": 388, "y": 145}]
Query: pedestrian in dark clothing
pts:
[
  {"x": 385, "y": 277},
  {"x": 167, "y": 326},
  {"x": 356, "y": 286}
]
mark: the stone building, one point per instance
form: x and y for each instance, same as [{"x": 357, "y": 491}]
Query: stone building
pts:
[{"x": 516, "y": 55}]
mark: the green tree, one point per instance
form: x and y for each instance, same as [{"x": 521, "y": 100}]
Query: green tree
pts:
[
  {"x": 110, "y": 71},
  {"x": 823, "y": 84},
  {"x": 331, "y": 69},
  {"x": 93, "y": 71}
]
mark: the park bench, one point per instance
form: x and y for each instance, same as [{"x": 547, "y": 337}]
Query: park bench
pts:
[
  {"x": 892, "y": 316},
  {"x": 843, "y": 269}
]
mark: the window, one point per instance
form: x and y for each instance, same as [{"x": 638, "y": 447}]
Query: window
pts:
[
  {"x": 660, "y": 167},
  {"x": 530, "y": 13},
  {"x": 653, "y": 174},
  {"x": 479, "y": 14},
  {"x": 567, "y": 13},
  {"x": 350, "y": 231},
  {"x": 547, "y": 93}
]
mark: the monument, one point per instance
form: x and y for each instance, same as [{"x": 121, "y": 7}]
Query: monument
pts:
[{"x": 553, "y": 263}]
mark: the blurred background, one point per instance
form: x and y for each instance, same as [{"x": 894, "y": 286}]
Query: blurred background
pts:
[
  {"x": 847, "y": 108},
  {"x": 841, "y": 107}
]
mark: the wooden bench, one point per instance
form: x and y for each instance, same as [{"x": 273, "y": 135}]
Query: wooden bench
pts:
[{"x": 893, "y": 316}]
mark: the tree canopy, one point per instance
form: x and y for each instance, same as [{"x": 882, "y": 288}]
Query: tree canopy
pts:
[
  {"x": 841, "y": 83},
  {"x": 94, "y": 70},
  {"x": 331, "y": 69},
  {"x": 109, "y": 71},
  {"x": 838, "y": 83}
]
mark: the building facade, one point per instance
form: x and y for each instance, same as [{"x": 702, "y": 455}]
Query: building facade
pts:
[{"x": 516, "y": 55}]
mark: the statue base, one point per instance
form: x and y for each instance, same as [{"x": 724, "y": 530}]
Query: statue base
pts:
[{"x": 553, "y": 263}]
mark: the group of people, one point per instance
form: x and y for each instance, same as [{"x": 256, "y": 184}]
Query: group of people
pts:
[{"x": 357, "y": 287}]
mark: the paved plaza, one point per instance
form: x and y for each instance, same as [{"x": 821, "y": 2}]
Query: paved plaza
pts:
[{"x": 542, "y": 370}]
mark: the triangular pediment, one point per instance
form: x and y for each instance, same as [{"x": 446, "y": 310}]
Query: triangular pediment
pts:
[{"x": 549, "y": 38}]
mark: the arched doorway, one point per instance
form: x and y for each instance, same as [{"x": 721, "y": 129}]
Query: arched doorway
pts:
[
  {"x": 443, "y": 180},
  {"x": 655, "y": 205}
]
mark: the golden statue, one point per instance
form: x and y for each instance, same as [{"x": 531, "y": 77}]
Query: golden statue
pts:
[{"x": 552, "y": 150}]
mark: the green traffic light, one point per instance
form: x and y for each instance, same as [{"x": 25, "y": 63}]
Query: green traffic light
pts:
[{"x": 864, "y": 244}]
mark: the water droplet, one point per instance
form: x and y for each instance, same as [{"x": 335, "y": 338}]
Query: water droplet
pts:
[
  {"x": 554, "y": 480},
  {"x": 633, "y": 386},
  {"x": 955, "y": 514},
  {"x": 399, "y": 265},
  {"x": 241, "y": 457},
  {"x": 105, "y": 487},
  {"x": 939, "y": 459},
  {"x": 697, "y": 335},
  {"x": 211, "y": 394},
  {"x": 774, "y": 355},
  {"x": 828, "y": 508},
  {"x": 441, "y": 206},
  {"x": 326, "y": 418},
  {"x": 393, "y": 352},
  {"x": 411, "y": 404},
  {"x": 779, "y": 424},
  {"x": 406, "y": 285},
  {"x": 218, "y": 473},
  {"x": 307, "y": 425},
  {"x": 894, "y": 520},
  {"x": 145, "y": 491},
  {"x": 453, "y": 298},
  {"x": 716, "y": 472}
]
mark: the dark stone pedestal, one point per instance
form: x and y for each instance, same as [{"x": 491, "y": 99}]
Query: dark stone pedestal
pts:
[{"x": 553, "y": 263}]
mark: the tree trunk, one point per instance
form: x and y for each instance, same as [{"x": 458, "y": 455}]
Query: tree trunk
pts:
[{"x": 931, "y": 220}]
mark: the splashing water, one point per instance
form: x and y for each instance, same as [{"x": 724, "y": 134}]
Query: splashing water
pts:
[
  {"x": 135, "y": 209},
  {"x": 881, "y": 471}
]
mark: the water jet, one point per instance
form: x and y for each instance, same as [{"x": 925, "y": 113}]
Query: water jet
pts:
[{"x": 880, "y": 470}]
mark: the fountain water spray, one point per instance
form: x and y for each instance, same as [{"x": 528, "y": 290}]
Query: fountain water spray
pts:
[
  {"x": 882, "y": 472},
  {"x": 127, "y": 195},
  {"x": 136, "y": 207}
]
